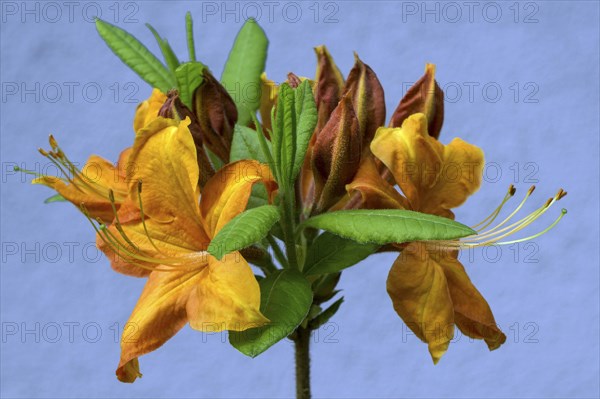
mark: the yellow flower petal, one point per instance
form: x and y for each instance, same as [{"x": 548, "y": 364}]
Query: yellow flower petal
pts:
[
  {"x": 158, "y": 315},
  {"x": 226, "y": 194},
  {"x": 419, "y": 292},
  {"x": 434, "y": 177},
  {"x": 472, "y": 313},
  {"x": 164, "y": 160},
  {"x": 147, "y": 111},
  {"x": 227, "y": 297}
]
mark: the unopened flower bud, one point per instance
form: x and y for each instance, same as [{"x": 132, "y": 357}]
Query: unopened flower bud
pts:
[
  {"x": 329, "y": 84},
  {"x": 217, "y": 115},
  {"x": 425, "y": 97},
  {"x": 368, "y": 100},
  {"x": 336, "y": 155}
]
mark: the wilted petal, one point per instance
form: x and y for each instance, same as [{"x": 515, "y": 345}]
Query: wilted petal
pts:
[
  {"x": 425, "y": 97},
  {"x": 419, "y": 292},
  {"x": 472, "y": 314}
]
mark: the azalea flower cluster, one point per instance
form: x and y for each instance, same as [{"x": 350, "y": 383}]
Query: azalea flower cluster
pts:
[{"x": 157, "y": 211}]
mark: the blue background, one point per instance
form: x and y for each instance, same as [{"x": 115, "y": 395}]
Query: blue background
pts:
[{"x": 548, "y": 308}]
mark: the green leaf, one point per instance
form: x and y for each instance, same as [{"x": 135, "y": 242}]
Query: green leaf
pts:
[
  {"x": 385, "y": 226},
  {"x": 245, "y": 145},
  {"x": 189, "y": 33},
  {"x": 166, "y": 50},
  {"x": 244, "y": 230},
  {"x": 189, "y": 77},
  {"x": 327, "y": 314},
  {"x": 293, "y": 126},
  {"x": 135, "y": 55},
  {"x": 54, "y": 198},
  {"x": 286, "y": 298},
  {"x": 330, "y": 253},
  {"x": 283, "y": 131},
  {"x": 306, "y": 121},
  {"x": 245, "y": 64},
  {"x": 216, "y": 162},
  {"x": 258, "y": 196}
]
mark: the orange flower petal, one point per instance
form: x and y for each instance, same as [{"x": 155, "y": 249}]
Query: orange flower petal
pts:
[
  {"x": 164, "y": 160},
  {"x": 375, "y": 192},
  {"x": 147, "y": 111},
  {"x": 227, "y": 297},
  {"x": 434, "y": 177},
  {"x": 419, "y": 292},
  {"x": 226, "y": 194},
  {"x": 158, "y": 315},
  {"x": 472, "y": 313}
]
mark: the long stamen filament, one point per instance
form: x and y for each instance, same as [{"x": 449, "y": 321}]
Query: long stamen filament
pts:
[
  {"x": 494, "y": 235},
  {"x": 496, "y": 212}
]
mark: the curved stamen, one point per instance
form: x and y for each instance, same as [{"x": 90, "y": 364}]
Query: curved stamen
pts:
[
  {"x": 494, "y": 235},
  {"x": 511, "y": 192}
]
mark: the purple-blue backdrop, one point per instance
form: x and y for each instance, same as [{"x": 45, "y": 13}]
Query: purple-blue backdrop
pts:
[{"x": 522, "y": 82}]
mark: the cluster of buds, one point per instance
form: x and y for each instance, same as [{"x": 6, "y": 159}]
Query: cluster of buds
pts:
[{"x": 349, "y": 113}]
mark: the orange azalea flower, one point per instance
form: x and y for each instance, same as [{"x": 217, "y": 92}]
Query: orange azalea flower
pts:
[
  {"x": 162, "y": 231},
  {"x": 429, "y": 287}
]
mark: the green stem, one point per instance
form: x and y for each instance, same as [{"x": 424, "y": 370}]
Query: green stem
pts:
[
  {"x": 302, "y": 346},
  {"x": 289, "y": 230}
]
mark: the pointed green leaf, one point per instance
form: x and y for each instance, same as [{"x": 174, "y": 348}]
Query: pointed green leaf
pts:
[
  {"x": 245, "y": 64},
  {"x": 286, "y": 298},
  {"x": 383, "y": 226},
  {"x": 245, "y": 145},
  {"x": 135, "y": 55},
  {"x": 166, "y": 50},
  {"x": 327, "y": 314},
  {"x": 189, "y": 33},
  {"x": 330, "y": 253},
  {"x": 54, "y": 198},
  {"x": 244, "y": 230},
  {"x": 306, "y": 121},
  {"x": 189, "y": 77}
]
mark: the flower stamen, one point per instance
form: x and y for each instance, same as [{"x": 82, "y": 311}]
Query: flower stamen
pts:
[{"x": 497, "y": 233}]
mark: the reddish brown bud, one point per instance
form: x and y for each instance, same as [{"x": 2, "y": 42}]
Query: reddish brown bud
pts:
[
  {"x": 329, "y": 83},
  {"x": 173, "y": 108},
  {"x": 217, "y": 115},
  {"x": 424, "y": 96},
  {"x": 368, "y": 100},
  {"x": 293, "y": 80},
  {"x": 336, "y": 155}
]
